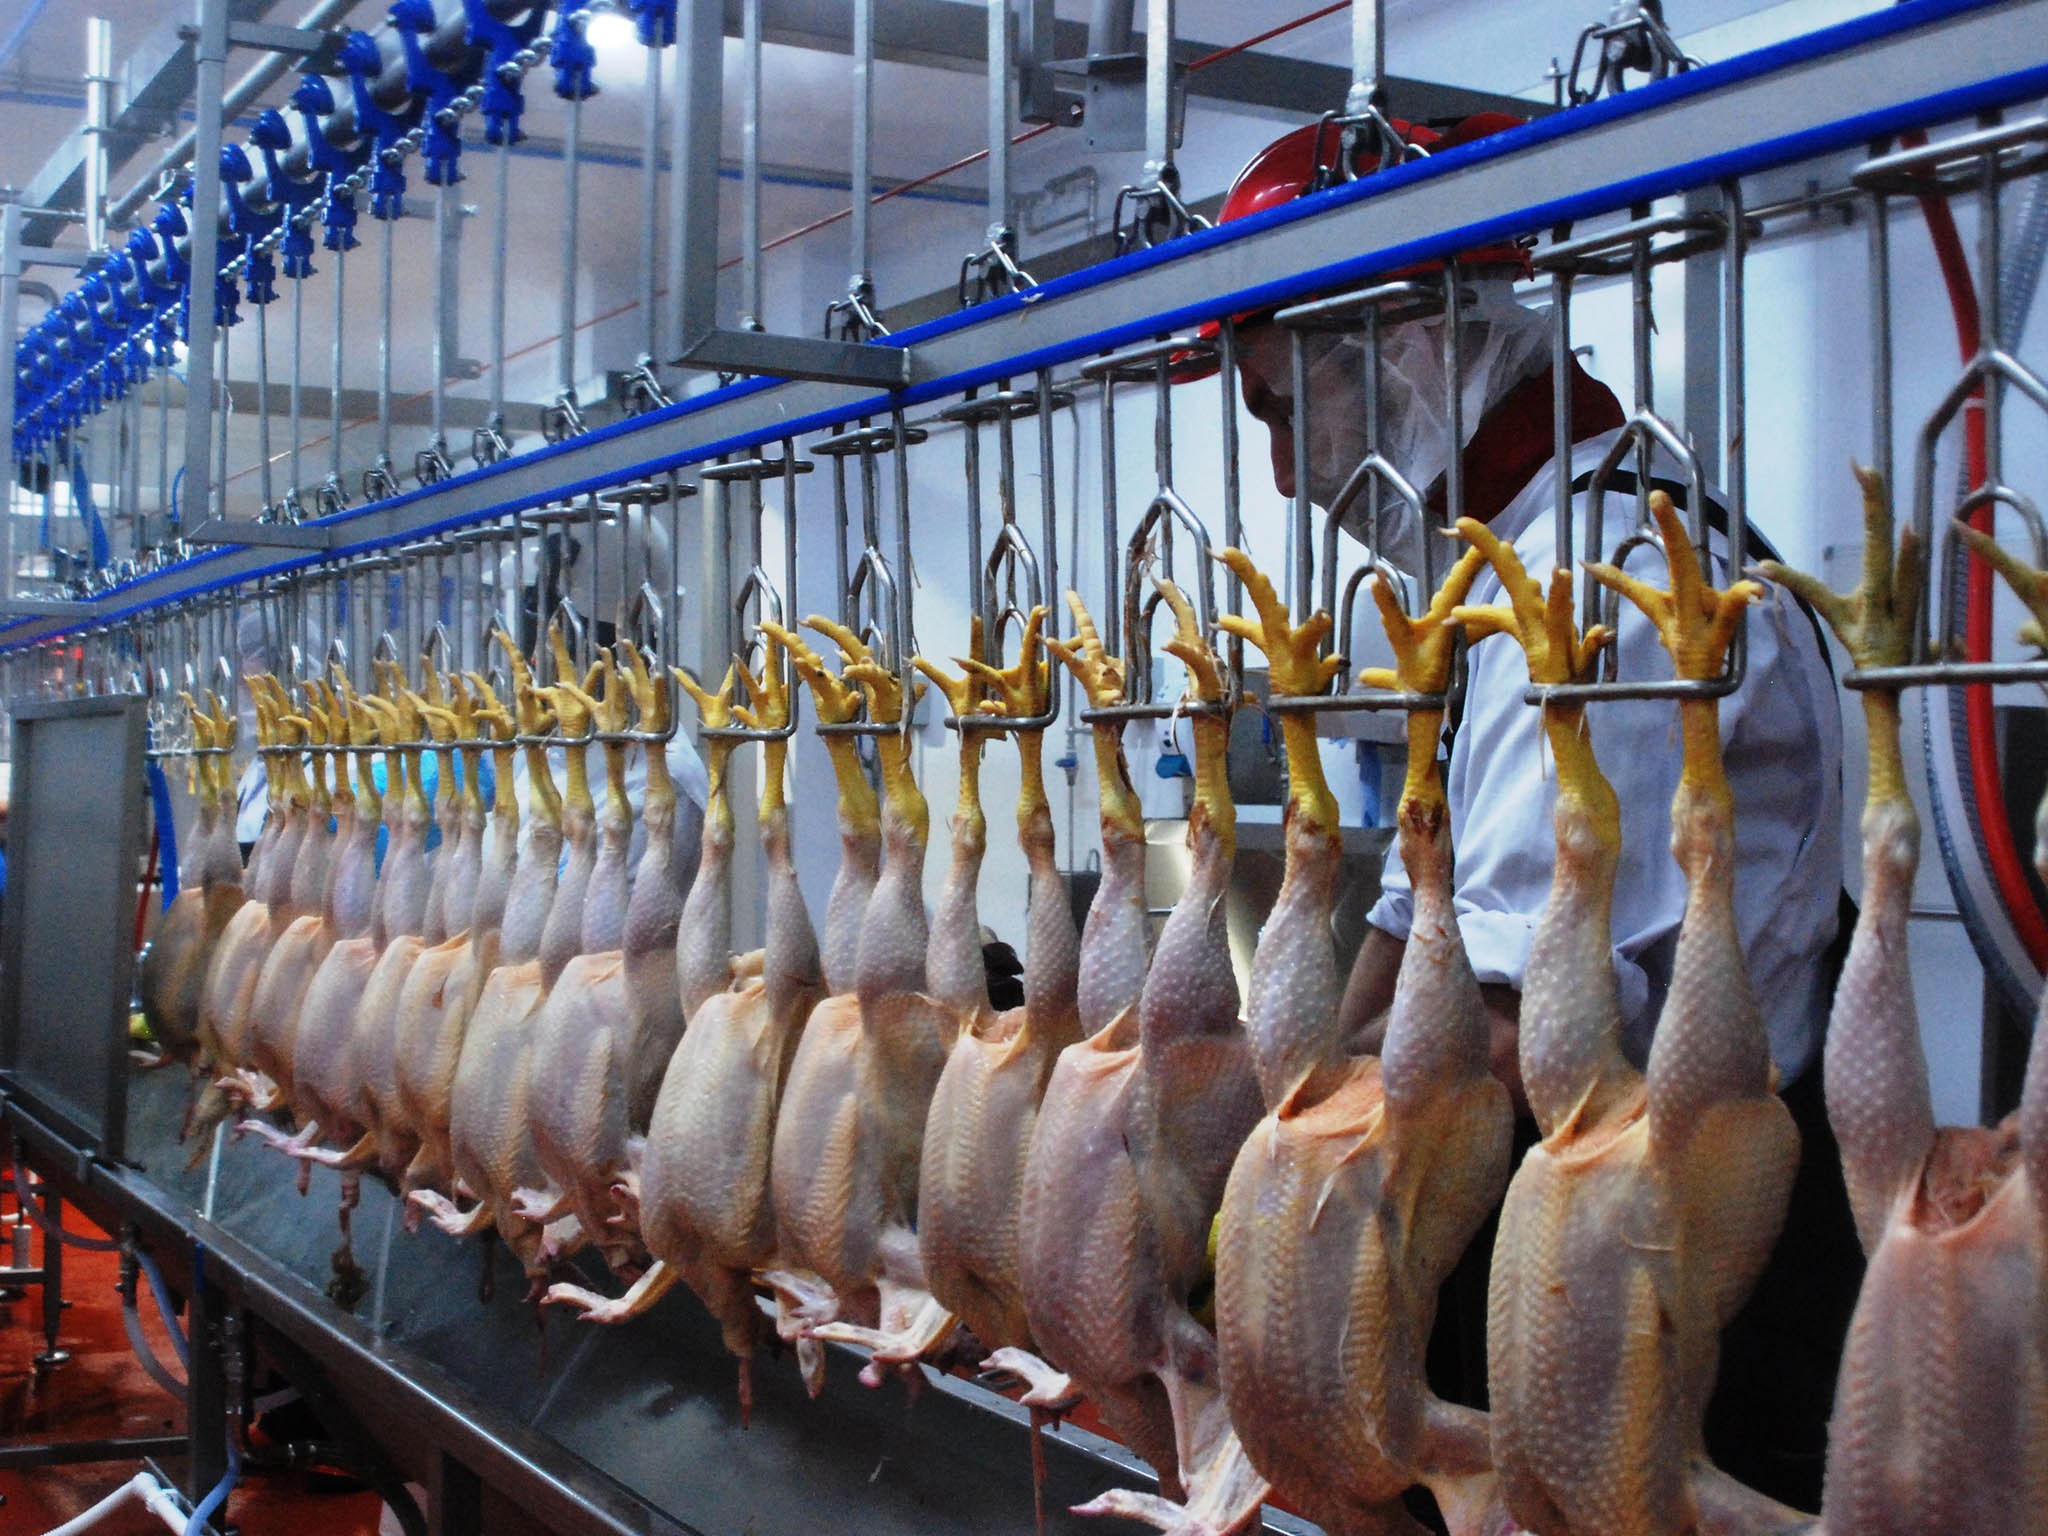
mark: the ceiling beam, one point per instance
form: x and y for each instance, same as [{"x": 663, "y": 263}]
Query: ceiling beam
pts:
[
  {"x": 939, "y": 34},
  {"x": 151, "y": 88}
]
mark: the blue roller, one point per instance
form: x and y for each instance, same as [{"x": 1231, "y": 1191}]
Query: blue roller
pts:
[
  {"x": 441, "y": 145},
  {"x": 573, "y": 57},
  {"x": 363, "y": 61},
  {"x": 504, "y": 97}
]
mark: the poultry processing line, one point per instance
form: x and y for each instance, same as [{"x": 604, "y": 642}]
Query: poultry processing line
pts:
[{"x": 866, "y": 1024}]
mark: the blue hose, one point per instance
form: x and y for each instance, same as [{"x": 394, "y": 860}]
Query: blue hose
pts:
[
  {"x": 210, "y": 1505},
  {"x": 162, "y": 1292},
  {"x": 166, "y": 831}
]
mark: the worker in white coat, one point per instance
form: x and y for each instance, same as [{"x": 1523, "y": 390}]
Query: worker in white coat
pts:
[{"x": 1780, "y": 729}]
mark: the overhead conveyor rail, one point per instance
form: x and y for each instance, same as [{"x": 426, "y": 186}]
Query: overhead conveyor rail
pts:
[{"x": 1813, "y": 96}]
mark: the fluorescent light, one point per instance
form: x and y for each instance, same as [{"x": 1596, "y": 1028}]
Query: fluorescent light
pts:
[{"x": 611, "y": 29}]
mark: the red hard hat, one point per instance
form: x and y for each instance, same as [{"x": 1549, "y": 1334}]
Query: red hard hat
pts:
[{"x": 1305, "y": 159}]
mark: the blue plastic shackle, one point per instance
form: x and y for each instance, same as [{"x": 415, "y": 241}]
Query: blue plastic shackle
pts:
[
  {"x": 249, "y": 228},
  {"x": 504, "y": 98},
  {"x": 572, "y": 54},
  {"x": 314, "y": 102},
  {"x": 657, "y": 20},
  {"x": 441, "y": 146},
  {"x": 272, "y": 137},
  {"x": 364, "y": 63}
]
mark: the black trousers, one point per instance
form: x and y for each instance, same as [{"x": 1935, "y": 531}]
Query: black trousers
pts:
[{"x": 1767, "y": 1423}]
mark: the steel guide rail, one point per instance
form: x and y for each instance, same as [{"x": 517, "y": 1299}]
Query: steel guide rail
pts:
[{"x": 1709, "y": 125}]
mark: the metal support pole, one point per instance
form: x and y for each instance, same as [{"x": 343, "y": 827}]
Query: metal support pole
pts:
[
  {"x": 1368, "y": 57},
  {"x": 861, "y": 284},
  {"x": 99, "y": 112},
  {"x": 10, "y": 339},
  {"x": 650, "y": 207},
  {"x": 693, "y": 208},
  {"x": 1158, "y": 89},
  {"x": 209, "y": 86},
  {"x": 206, "y": 1394},
  {"x": 572, "y": 179},
  {"x": 999, "y": 232},
  {"x": 750, "y": 167}
]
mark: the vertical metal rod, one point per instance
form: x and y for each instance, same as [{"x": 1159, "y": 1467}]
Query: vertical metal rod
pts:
[
  {"x": 163, "y": 439},
  {"x": 1454, "y": 415},
  {"x": 1992, "y": 325},
  {"x": 840, "y": 570},
  {"x": 298, "y": 376},
  {"x": 906, "y": 637},
  {"x": 1048, "y": 508},
  {"x": 1562, "y": 365},
  {"x": 592, "y": 614},
  {"x": 334, "y": 392},
  {"x": 863, "y": 66},
  {"x": 1233, "y": 517},
  {"x": 572, "y": 175},
  {"x": 789, "y": 526},
  {"x": 1881, "y": 340},
  {"x": 1375, "y": 417},
  {"x": 1110, "y": 620},
  {"x": 1302, "y": 554},
  {"x": 227, "y": 418},
  {"x": 384, "y": 349},
  {"x": 672, "y": 618},
  {"x": 1162, "y": 451},
  {"x": 210, "y": 56},
  {"x": 650, "y": 205},
  {"x": 1734, "y": 473},
  {"x": 1158, "y": 87},
  {"x": 750, "y": 167},
  {"x": 1641, "y": 322},
  {"x": 99, "y": 112},
  {"x": 501, "y": 233},
  {"x": 998, "y": 121},
  {"x": 131, "y": 468},
  {"x": 440, "y": 352},
  {"x": 263, "y": 405},
  {"x": 1368, "y": 56},
  {"x": 10, "y": 339},
  {"x": 977, "y": 583}
]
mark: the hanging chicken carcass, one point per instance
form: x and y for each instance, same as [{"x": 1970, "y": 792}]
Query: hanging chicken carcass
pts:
[
  {"x": 1352, "y": 1200},
  {"x": 1633, "y": 1231},
  {"x": 1941, "y": 1409}
]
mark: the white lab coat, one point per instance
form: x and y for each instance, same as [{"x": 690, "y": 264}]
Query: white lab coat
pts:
[{"x": 1782, "y": 733}]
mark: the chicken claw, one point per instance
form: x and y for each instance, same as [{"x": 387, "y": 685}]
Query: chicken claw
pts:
[
  {"x": 1543, "y": 624},
  {"x": 1100, "y": 674},
  {"x": 1875, "y": 620},
  {"x": 1293, "y": 652},
  {"x": 1695, "y": 619}
]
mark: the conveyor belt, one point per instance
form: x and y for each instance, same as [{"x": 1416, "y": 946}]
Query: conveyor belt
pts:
[{"x": 629, "y": 1429}]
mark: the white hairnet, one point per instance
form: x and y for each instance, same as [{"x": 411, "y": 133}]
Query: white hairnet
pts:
[{"x": 1501, "y": 345}]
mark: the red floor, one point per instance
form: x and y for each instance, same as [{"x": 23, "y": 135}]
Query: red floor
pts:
[{"x": 102, "y": 1391}]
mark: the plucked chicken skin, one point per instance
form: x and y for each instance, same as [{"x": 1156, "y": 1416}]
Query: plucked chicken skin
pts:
[{"x": 1941, "y": 1407}]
